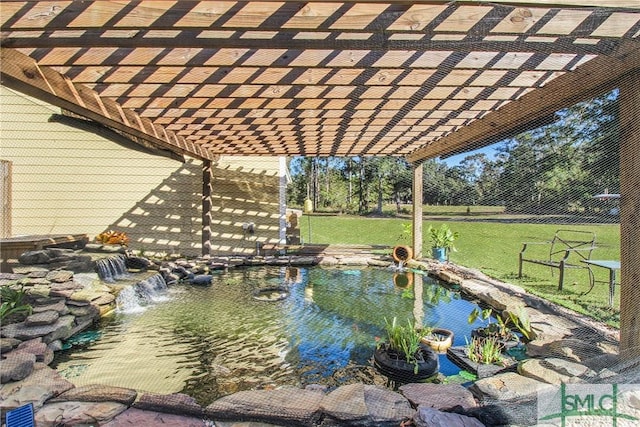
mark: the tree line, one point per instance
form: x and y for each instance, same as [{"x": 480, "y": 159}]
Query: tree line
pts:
[{"x": 557, "y": 167}]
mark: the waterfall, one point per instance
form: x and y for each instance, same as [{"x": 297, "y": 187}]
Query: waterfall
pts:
[
  {"x": 398, "y": 268},
  {"x": 135, "y": 298},
  {"x": 152, "y": 289},
  {"x": 112, "y": 268}
]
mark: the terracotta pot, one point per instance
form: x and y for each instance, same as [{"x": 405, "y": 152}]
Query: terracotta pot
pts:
[{"x": 402, "y": 253}]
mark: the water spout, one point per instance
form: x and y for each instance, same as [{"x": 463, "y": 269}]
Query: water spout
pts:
[
  {"x": 112, "y": 268},
  {"x": 399, "y": 267}
]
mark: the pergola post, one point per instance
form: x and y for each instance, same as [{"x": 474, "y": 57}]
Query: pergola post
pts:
[
  {"x": 418, "y": 300},
  {"x": 629, "y": 212},
  {"x": 206, "y": 207},
  {"x": 417, "y": 211}
]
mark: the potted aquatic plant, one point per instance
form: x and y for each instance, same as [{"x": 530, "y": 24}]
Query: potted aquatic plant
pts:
[
  {"x": 484, "y": 357},
  {"x": 486, "y": 351},
  {"x": 403, "y": 357},
  {"x": 499, "y": 329},
  {"x": 442, "y": 239}
]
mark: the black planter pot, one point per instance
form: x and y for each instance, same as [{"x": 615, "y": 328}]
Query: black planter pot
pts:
[
  {"x": 393, "y": 365},
  {"x": 458, "y": 356}
]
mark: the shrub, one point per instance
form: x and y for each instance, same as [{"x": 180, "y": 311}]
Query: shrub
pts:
[{"x": 13, "y": 302}]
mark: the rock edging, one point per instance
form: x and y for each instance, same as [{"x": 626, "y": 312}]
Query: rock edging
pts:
[{"x": 30, "y": 380}]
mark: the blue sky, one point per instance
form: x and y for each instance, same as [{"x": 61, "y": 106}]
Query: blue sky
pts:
[{"x": 490, "y": 151}]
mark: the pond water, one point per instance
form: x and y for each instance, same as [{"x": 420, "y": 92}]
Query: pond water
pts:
[{"x": 311, "y": 325}]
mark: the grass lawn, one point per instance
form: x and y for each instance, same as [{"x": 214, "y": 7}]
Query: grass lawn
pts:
[{"x": 490, "y": 243}]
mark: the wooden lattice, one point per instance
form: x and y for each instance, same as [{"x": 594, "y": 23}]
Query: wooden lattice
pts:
[{"x": 415, "y": 79}]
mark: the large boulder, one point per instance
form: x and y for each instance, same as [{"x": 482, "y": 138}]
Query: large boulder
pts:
[
  {"x": 78, "y": 413},
  {"x": 59, "y": 276},
  {"x": 293, "y": 406},
  {"x": 39, "y": 349},
  {"x": 507, "y": 386},
  {"x": 429, "y": 417},
  {"x": 43, "y": 384},
  {"x": 16, "y": 366},
  {"x": 60, "y": 329},
  {"x": 177, "y": 403},
  {"x": 34, "y": 257},
  {"x": 42, "y": 318},
  {"x": 365, "y": 405},
  {"x": 138, "y": 263},
  {"x": 577, "y": 350},
  {"x": 443, "y": 397},
  {"x": 554, "y": 370},
  {"x": 138, "y": 417},
  {"x": 98, "y": 393}
]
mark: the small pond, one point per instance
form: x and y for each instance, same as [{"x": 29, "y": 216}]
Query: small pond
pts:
[{"x": 313, "y": 325}]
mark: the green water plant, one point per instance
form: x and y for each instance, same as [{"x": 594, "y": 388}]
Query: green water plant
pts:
[
  {"x": 521, "y": 321},
  {"x": 13, "y": 302},
  {"x": 405, "y": 340},
  {"x": 486, "y": 351},
  {"x": 443, "y": 237},
  {"x": 498, "y": 329},
  {"x": 504, "y": 323}
]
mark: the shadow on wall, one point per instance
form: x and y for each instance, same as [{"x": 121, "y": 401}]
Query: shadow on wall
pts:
[{"x": 245, "y": 210}]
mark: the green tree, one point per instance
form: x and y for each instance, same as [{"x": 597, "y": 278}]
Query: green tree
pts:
[
  {"x": 559, "y": 166},
  {"x": 434, "y": 182}
]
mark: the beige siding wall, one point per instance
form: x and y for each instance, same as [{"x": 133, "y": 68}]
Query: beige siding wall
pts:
[
  {"x": 245, "y": 196},
  {"x": 68, "y": 180}
]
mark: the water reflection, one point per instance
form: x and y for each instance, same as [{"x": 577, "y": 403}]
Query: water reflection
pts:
[{"x": 212, "y": 341}]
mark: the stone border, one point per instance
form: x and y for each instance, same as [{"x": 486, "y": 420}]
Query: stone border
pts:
[{"x": 556, "y": 356}]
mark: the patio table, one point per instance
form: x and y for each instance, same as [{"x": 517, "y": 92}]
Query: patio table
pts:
[{"x": 610, "y": 265}]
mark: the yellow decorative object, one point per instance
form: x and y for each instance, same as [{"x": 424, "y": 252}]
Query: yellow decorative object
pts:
[
  {"x": 111, "y": 237},
  {"x": 439, "y": 339},
  {"x": 308, "y": 206}
]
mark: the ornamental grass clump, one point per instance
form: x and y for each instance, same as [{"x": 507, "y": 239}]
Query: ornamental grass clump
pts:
[
  {"x": 487, "y": 351},
  {"x": 405, "y": 340}
]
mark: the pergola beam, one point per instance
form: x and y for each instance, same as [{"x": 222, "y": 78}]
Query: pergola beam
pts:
[
  {"x": 376, "y": 41},
  {"x": 589, "y": 80},
  {"x": 23, "y": 74}
]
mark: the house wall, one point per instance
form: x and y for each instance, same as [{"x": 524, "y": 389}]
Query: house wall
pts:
[
  {"x": 67, "y": 180},
  {"x": 246, "y": 204}
]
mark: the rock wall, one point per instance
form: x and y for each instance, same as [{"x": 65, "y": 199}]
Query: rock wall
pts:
[{"x": 63, "y": 307}]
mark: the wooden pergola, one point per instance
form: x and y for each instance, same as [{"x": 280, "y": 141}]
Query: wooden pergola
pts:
[{"x": 418, "y": 79}]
